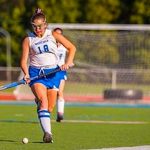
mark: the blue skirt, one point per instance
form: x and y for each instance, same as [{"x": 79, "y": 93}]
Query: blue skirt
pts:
[
  {"x": 62, "y": 75},
  {"x": 51, "y": 81}
]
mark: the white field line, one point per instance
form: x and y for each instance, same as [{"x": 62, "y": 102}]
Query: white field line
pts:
[
  {"x": 87, "y": 121},
  {"x": 103, "y": 122},
  {"x": 146, "y": 147}
]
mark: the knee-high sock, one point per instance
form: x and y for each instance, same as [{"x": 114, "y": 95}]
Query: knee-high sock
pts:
[
  {"x": 44, "y": 117},
  {"x": 60, "y": 106}
]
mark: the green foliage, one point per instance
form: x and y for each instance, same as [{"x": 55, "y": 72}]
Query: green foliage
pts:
[
  {"x": 143, "y": 57},
  {"x": 141, "y": 12},
  {"x": 3, "y": 51},
  {"x": 12, "y": 22},
  {"x": 102, "y": 11},
  {"x": 60, "y": 11},
  {"x": 15, "y": 19}
]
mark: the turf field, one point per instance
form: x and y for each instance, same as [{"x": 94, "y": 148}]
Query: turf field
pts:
[{"x": 84, "y": 127}]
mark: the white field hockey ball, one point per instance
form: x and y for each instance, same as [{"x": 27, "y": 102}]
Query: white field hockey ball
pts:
[{"x": 25, "y": 140}]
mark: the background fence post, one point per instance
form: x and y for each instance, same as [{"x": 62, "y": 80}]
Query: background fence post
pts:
[
  {"x": 8, "y": 53},
  {"x": 114, "y": 79}
]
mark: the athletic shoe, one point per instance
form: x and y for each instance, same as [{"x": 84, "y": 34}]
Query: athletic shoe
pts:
[
  {"x": 59, "y": 118},
  {"x": 47, "y": 138}
]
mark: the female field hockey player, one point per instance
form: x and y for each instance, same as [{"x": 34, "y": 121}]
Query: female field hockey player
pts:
[
  {"x": 40, "y": 47},
  {"x": 60, "y": 97}
]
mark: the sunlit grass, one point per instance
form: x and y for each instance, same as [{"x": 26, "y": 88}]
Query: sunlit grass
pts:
[{"x": 20, "y": 120}]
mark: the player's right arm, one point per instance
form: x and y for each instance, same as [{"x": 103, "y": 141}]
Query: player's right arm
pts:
[{"x": 24, "y": 58}]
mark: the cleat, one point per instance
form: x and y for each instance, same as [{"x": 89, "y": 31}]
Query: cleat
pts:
[
  {"x": 59, "y": 118},
  {"x": 47, "y": 138}
]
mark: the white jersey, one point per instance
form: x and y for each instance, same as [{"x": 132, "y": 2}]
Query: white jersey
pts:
[
  {"x": 43, "y": 50},
  {"x": 61, "y": 52}
]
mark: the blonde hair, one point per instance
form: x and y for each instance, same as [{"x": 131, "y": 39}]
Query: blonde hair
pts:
[{"x": 38, "y": 13}]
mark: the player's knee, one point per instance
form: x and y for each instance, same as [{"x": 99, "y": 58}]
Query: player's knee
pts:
[{"x": 42, "y": 103}]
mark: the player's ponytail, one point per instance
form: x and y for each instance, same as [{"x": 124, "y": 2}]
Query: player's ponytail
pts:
[{"x": 38, "y": 13}]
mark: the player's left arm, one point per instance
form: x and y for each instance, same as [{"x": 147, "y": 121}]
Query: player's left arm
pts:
[{"x": 70, "y": 48}]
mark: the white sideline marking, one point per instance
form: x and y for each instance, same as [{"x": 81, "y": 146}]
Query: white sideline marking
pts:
[
  {"x": 146, "y": 147},
  {"x": 103, "y": 122}
]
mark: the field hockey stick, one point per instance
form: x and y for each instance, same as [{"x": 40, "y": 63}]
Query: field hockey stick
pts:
[
  {"x": 45, "y": 75},
  {"x": 14, "y": 84}
]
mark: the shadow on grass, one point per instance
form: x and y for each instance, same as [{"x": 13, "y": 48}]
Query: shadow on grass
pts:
[
  {"x": 38, "y": 142},
  {"x": 17, "y": 121},
  {"x": 11, "y": 141}
]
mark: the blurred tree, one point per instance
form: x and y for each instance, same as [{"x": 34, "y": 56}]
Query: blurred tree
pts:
[
  {"x": 11, "y": 20},
  {"x": 59, "y": 11},
  {"x": 140, "y": 12},
  {"x": 142, "y": 58},
  {"x": 134, "y": 12},
  {"x": 126, "y": 8},
  {"x": 100, "y": 11},
  {"x": 15, "y": 18}
]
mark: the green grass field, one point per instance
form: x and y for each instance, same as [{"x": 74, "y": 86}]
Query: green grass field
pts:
[{"x": 120, "y": 126}]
